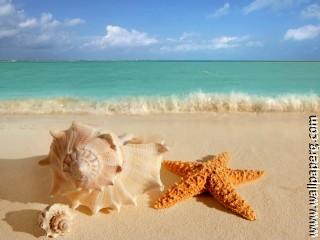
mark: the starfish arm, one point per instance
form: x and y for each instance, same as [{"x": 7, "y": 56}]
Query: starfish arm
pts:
[
  {"x": 243, "y": 176},
  {"x": 180, "y": 168},
  {"x": 45, "y": 161},
  {"x": 221, "y": 189},
  {"x": 221, "y": 159},
  {"x": 186, "y": 188}
]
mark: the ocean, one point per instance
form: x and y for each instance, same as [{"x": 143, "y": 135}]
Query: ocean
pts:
[{"x": 142, "y": 87}]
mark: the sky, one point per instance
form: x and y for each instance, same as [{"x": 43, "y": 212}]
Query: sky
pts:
[{"x": 160, "y": 29}]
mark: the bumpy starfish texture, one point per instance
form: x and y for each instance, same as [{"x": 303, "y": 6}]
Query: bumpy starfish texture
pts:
[{"x": 213, "y": 176}]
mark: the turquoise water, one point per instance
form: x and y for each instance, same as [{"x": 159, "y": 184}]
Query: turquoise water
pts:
[
  {"x": 149, "y": 83},
  {"x": 113, "y": 79}
]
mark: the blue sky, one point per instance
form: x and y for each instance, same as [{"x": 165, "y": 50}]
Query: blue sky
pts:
[{"x": 150, "y": 29}]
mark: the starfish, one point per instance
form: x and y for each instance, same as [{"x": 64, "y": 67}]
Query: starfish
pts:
[{"x": 213, "y": 176}]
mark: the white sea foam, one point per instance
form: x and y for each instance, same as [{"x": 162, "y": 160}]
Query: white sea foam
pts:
[{"x": 196, "y": 102}]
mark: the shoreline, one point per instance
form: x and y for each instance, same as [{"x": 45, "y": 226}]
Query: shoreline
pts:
[{"x": 197, "y": 102}]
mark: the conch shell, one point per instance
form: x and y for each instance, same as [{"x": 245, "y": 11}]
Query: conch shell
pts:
[
  {"x": 103, "y": 170},
  {"x": 56, "y": 220}
]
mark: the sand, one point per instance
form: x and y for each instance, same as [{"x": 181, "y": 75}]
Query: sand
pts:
[{"x": 274, "y": 142}]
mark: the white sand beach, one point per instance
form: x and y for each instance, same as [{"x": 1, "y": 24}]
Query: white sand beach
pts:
[{"x": 274, "y": 142}]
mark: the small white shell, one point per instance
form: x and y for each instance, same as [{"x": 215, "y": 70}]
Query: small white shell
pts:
[{"x": 56, "y": 220}]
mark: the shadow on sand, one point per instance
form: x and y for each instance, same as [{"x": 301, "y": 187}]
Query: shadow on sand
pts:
[
  {"x": 25, "y": 181},
  {"x": 24, "y": 221}
]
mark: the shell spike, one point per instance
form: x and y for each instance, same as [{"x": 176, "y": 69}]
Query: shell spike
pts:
[
  {"x": 75, "y": 204},
  {"x": 134, "y": 201},
  {"x": 76, "y": 124},
  {"x": 125, "y": 138},
  {"x": 95, "y": 209},
  {"x": 56, "y": 134},
  {"x": 118, "y": 208},
  {"x": 162, "y": 148}
]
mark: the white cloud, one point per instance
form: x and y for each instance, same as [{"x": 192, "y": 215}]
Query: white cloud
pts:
[
  {"x": 5, "y": 33},
  {"x": 120, "y": 37},
  {"x": 20, "y": 31},
  {"x": 224, "y": 10},
  {"x": 187, "y": 36},
  {"x": 254, "y": 44},
  {"x": 6, "y": 8},
  {"x": 48, "y": 22},
  {"x": 183, "y": 47},
  {"x": 257, "y": 5},
  {"x": 46, "y": 18},
  {"x": 73, "y": 22},
  {"x": 224, "y": 42},
  {"x": 303, "y": 33},
  {"x": 28, "y": 23},
  {"x": 311, "y": 11}
]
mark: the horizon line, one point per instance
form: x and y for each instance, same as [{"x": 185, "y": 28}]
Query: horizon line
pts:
[{"x": 12, "y": 60}]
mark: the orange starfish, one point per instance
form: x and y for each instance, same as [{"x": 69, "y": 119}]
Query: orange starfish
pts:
[{"x": 213, "y": 176}]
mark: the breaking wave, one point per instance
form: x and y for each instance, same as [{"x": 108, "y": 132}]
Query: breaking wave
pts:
[{"x": 192, "y": 103}]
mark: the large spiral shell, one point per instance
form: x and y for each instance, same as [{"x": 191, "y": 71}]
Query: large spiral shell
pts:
[
  {"x": 103, "y": 170},
  {"x": 56, "y": 220},
  {"x": 83, "y": 158}
]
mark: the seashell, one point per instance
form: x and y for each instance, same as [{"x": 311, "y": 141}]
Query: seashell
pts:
[
  {"x": 83, "y": 158},
  {"x": 103, "y": 170},
  {"x": 56, "y": 220}
]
